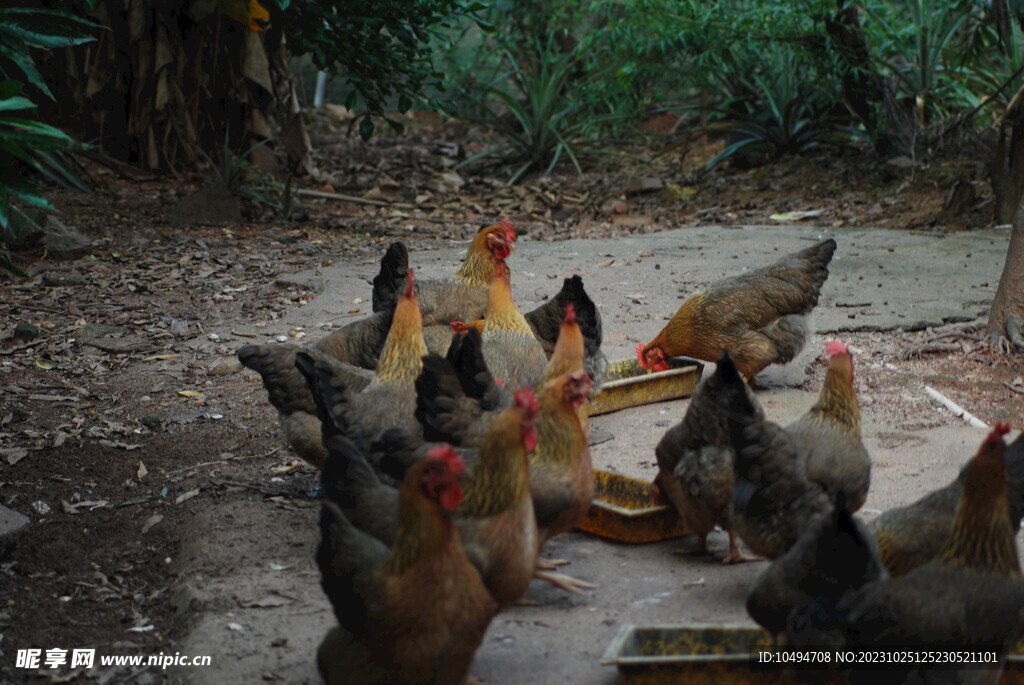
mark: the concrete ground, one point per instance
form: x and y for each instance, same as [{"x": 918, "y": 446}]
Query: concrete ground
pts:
[{"x": 880, "y": 280}]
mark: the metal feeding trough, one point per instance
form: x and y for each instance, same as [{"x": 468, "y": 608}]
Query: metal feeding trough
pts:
[
  {"x": 703, "y": 654},
  {"x": 624, "y": 510},
  {"x": 689, "y": 655},
  {"x": 628, "y": 385}
]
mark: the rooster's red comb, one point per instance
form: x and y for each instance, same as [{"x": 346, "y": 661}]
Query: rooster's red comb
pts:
[
  {"x": 524, "y": 398},
  {"x": 510, "y": 230},
  {"x": 640, "y": 356},
  {"x": 836, "y": 347},
  {"x": 447, "y": 455},
  {"x": 999, "y": 430},
  {"x": 570, "y": 313}
]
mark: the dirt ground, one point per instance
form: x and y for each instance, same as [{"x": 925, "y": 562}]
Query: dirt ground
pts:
[{"x": 139, "y": 460}]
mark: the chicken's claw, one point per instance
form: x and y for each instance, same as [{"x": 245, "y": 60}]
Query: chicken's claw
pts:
[
  {"x": 550, "y": 564},
  {"x": 567, "y": 583}
]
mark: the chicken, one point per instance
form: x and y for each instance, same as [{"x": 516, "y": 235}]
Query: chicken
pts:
[
  {"x": 289, "y": 394},
  {"x": 385, "y": 401},
  {"x": 773, "y": 502},
  {"x": 561, "y": 473},
  {"x": 970, "y": 597},
  {"x": 829, "y": 433},
  {"x": 512, "y": 354},
  {"x": 546, "y": 323},
  {"x": 695, "y": 466},
  {"x": 495, "y": 519},
  {"x": 457, "y": 397},
  {"x": 460, "y": 297},
  {"x": 915, "y": 534},
  {"x": 832, "y": 558},
  {"x": 760, "y": 316},
  {"x": 414, "y": 611}
]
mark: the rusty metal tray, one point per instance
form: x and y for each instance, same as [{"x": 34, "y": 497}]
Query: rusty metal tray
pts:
[
  {"x": 689, "y": 655},
  {"x": 624, "y": 510},
  {"x": 628, "y": 385},
  {"x": 703, "y": 654}
]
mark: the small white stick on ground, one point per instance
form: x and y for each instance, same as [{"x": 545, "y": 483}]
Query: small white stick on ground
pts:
[{"x": 949, "y": 404}]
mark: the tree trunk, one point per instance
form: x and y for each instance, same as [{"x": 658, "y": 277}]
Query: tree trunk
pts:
[
  {"x": 1006, "y": 171},
  {"x": 165, "y": 82},
  {"x": 867, "y": 93},
  {"x": 1004, "y": 321}
]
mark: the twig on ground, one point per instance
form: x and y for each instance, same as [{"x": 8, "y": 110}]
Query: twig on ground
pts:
[
  {"x": 952, "y": 406},
  {"x": 353, "y": 198}
]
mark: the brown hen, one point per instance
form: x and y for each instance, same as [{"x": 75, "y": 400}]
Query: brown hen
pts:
[
  {"x": 760, "y": 316},
  {"x": 695, "y": 467},
  {"x": 387, "y": 400},
  {"x": 970, "y": 597},
  {"x": 413, "y": 611},
  {"x": 915, "y": 534}
]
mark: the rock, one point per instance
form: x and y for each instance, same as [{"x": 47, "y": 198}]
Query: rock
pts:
[
  {"x": 152, "y": 421},
  {"x": 898, "y": 167},
  {"x": 26, "y": 331},
  {"x": 99, "y": 336},
  {"x": 57, "y": 278},
  {"x": 11, "y": 523},
  {"x": 63, "y": 240},
  {"x": 212, "y": 204}
]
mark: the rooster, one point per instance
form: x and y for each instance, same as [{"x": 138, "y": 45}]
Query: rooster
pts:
[
  {"x": 760, "y": 317},
  {"x": 387, "y": 400},
  {"x": 695, "y": 467},
  {"x": 915, "y": 534},
  {"x": 463, "y": 295},
  {"x": 416, "y": 610},
  {"x": 970, "y": 597},
  {"x": 773, "y": 502}
]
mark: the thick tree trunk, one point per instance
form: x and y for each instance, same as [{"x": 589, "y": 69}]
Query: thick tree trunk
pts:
[
  {"x": 866, "y": 92},
  {"x": 1006, "y": 171},
  {"x": 1004, "y": 321},
  {"x": 165, "y": 81}
]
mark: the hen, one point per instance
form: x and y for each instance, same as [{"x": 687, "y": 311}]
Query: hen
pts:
[
  {"x": 463, "y": 295},
  {"x": 495, "y": 519},
  {"x": 829, "y": 433},
  {"x": 546, "y": 323},
  {"x": 835, "y": 556},
  {"x": 457, "y": 397},
  {"x": 413, "y": 611},
  {"x": 915, "y": 534},
  {"x": 386, "y": 400},
  {"x": 760, "y": 316},
  {"x": 561, "y": 474},
  {"x": 773, "y": 502},
  {"x": 513, "y": 355},
  {"x": 695, "y": 466},
  {"x": 970, "y": 597}
]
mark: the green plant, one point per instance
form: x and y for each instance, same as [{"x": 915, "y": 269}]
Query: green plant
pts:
[
  {"x": 251, "y": 184},
  {"x": 542, "y": 124},
  {"x": 25, "y": 143},
  {"x": 382, "y": 49},
  {"x": 915, "y": 39},
  {"x": 778, "y": 111}
]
